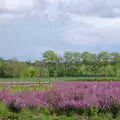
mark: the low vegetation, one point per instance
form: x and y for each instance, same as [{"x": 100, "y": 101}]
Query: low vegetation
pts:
[
  {"x": 65, "y": 100},
  {"x": 20, "y": 88}
]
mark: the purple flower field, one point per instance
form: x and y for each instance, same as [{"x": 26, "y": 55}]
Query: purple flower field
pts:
[{"x": 67, "y": 95}]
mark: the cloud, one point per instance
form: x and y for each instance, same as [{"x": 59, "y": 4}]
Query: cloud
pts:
[
  {"x": 100, "y": 8},
  {"x": 12, "y": 6},
  {"x": 17, "y": 7},
  {"x": 92, "y": 31},
  {"x": 34, "y": 26}
]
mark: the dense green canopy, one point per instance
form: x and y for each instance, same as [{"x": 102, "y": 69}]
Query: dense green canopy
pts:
[{"x": 69, "y": 64}]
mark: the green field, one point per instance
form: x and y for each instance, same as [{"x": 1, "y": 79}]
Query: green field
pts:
[
  {"x": 60, "y": 79},
  {"x": 37, "y": 113},
  {"x": 21, "y": 88}
]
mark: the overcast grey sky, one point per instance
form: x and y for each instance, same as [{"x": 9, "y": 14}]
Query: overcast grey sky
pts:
[{"x": 30, "y": 27}]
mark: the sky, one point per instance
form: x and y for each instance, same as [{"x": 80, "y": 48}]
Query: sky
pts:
[{"x": 30, "y": 27}]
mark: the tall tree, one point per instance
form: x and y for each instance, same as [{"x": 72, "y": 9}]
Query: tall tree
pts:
[
  {"x": 2, "y": 67},
  {"x": 104, "y": 59},
  {"x": 115, "y": 59},
  {"x": 51, "y": 58}
]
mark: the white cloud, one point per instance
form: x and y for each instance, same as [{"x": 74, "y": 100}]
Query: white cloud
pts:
[
  {"x": 100, "y": 8},
  {"x": 82, "y": 24},
  {"x": 93, "y": 31},
  {"x": 67, "y": 23},
  {"x": 16, "y": 4}
]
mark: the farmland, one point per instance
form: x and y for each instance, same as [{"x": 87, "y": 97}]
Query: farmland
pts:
[
  {"x": 63, "y": 100},
  {"x": 59, "y": 60},
  {"x": 52, "y": 79}
]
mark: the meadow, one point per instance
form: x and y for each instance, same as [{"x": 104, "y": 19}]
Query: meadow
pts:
[{"x": 67, "y": 100}]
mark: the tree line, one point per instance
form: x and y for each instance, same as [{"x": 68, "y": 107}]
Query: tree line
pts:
[{"x": 72, "y": 64}]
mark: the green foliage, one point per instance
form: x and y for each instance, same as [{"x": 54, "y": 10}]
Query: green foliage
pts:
[
  {"x": 50, "y": 55},
  {"x": 55, "y": 74},
  {"x": 93, "y": 111},
  {"x": 40, "y": 114},
  {"x": 70, "y": 64},
  {"x": 31, "y": 72},
  {"x": 44, "y": 114}
]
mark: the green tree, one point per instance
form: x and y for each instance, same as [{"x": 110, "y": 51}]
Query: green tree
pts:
[
  {"x": 104, "y": 60},
  {"x": 51, "y": 58},
  {"x": 87, "y": 61},
  {"x": 2, "y": 67},
  {"x": 115, "y": 60},
  {"x": 68, "y": 59},
  {"x": 32, "y": 72}
]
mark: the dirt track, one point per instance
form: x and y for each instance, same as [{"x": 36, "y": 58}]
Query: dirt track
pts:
[{"x": 23, "y": 83}]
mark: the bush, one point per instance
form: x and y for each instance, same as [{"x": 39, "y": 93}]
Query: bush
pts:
[{"x": 13, "y": 107}]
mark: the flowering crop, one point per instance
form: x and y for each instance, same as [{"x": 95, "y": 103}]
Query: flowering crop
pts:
[{"x": 67, "y": 95}]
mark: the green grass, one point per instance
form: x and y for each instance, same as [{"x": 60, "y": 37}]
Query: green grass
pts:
[
  {"x": 62, "y": 79},
  {"x": 40, "y": 114},
  {"x": 20, "y": 88}
]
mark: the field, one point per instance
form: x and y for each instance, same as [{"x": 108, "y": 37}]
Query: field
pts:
[
  {"x": 75, "y": 100},
  {"x": 50, "y": 79}
]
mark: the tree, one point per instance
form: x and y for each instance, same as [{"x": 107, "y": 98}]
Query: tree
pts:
[
  {"x": 115, "y": 59},
  {"x": 103, "y": 56},
  {"x": 86, "y": 61},
  {"x": 69, "y": 64},
  {"x": 86, "y": 56},
  {"x": 32, "y": 72},
  {"x": 104, "y": 60},
  {"x": 2, "y": 67},
  {"x": 38, "y": 67},
  {"x": 76, "y": 57},
  {"x": 68, "y": 59},
  {"x": 50, "y": 56},
  {"x": 44, "y": 72}
]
